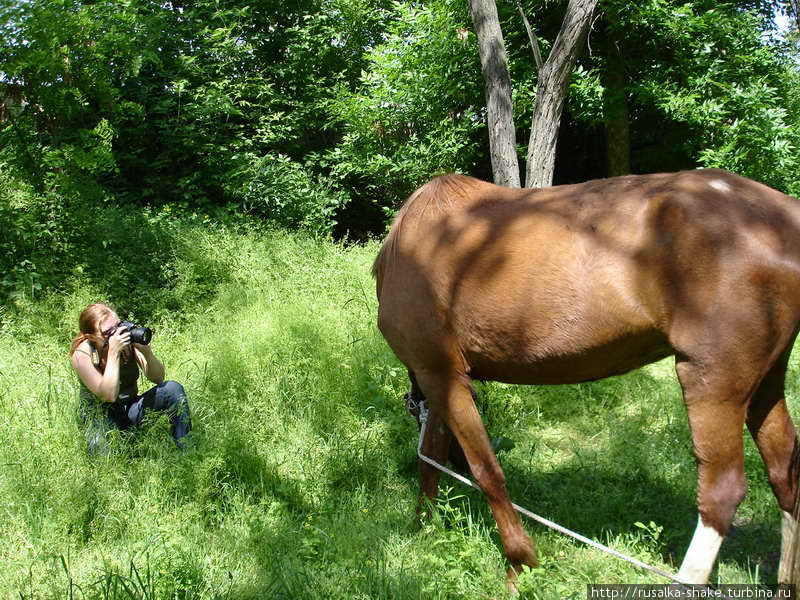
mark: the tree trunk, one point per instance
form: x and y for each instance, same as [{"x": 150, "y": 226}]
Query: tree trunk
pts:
[
  {"x": 499, "y": 109},
  {"x": 551, "y": 90},
  {"x": 617, "y": 120}
]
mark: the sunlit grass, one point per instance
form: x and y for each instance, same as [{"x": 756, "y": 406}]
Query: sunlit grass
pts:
[{"x": 303, "y": 479}]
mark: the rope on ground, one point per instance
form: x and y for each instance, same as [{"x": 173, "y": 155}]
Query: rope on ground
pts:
[{"x": 423, "y": 418}]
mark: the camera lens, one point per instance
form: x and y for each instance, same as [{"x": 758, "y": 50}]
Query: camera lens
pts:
[{"x": 139, "y": 335}]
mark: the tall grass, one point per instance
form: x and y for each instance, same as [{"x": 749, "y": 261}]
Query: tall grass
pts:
[{"x": 302, "y": 480}]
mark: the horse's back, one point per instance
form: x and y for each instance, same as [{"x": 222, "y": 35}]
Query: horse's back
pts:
[{"x": 577, "y": 282}]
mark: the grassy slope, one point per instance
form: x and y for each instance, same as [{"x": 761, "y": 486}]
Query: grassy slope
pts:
[{"x": 303, "y": 480}]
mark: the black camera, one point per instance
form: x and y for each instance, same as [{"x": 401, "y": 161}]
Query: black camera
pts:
[{"x": 139, "y": 335}]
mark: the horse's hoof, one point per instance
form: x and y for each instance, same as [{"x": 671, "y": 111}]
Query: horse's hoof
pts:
[{"x": 511, "y": 582}]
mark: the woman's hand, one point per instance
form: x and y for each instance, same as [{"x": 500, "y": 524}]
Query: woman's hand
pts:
[{"x": 118, "y": 341}]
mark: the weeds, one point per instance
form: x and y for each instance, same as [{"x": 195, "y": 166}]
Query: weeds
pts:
[{"x": 303, "y": 482}]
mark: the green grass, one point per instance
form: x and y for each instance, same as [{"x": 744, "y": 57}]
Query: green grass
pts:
[{"x": 303, "y": 480}]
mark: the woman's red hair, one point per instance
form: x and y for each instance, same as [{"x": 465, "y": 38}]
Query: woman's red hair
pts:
[{"x": 89, "y": 325}]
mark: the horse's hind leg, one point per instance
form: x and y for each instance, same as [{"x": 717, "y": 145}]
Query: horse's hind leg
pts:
[
  {"x": 451, "y": 394},
  {"x": 436, "y": 444},
  {"x": 774, "y": 434},
  {"x": 716, "y": 404}
]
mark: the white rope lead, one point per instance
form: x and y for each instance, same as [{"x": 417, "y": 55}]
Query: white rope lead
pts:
[{"x": 423, "y": 417}]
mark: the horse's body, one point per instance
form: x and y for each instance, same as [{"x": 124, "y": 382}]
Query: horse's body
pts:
[{"x": 580, "y": 282}]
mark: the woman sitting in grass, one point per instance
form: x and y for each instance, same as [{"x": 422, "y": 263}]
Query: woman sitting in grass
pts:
[{"x": 108, "y": 366}]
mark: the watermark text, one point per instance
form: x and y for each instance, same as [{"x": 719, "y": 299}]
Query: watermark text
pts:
[{"x": 597, "y": 591}]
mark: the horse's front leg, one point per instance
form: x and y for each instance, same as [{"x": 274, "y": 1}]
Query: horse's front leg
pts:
[{"x": 716, "y": 402}]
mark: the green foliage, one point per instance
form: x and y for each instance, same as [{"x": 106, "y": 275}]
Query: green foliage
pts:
[
  {"x": 705, "y": 84},
  {"x": 187, "y": 103},
  {"x": 416, "y": 110},
  {"x": 712, "y": 73},
  {"x": 282, "y": 191},
  {"x": 585, "y": 100},
  {"x": 304, "y": 477},
  {"x": 733, "y": 89},
  {"x": 755, "y": 136},
  {"x": 66, "y": 60},
  {"x": 40, "y": 230},
  {"x": 73, "y": 236},
  {"x": 164, "y": 102}
]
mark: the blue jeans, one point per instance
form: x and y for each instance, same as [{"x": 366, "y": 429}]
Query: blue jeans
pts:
[{"x": 167, "y": 396}]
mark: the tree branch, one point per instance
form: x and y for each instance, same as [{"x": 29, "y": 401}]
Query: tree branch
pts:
[{"x": 532, "y": 37}]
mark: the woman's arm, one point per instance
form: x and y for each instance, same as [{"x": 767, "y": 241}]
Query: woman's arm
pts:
[
  {"x": 103, "y": 385},
  {"x": 152, "y": 367}
]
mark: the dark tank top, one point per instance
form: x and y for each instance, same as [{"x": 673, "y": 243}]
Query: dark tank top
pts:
[{"x": 128, "y": 378}]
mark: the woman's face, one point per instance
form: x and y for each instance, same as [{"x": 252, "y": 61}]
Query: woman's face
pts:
[{"x": 107, "y": 327}]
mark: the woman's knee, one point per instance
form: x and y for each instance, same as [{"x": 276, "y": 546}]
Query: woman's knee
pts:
[
  {"x": 172, "y": 392},
  {"x": 173, "y": 388}
]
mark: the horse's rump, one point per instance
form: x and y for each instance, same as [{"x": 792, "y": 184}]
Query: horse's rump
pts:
[{"x": 438, "y": 195}]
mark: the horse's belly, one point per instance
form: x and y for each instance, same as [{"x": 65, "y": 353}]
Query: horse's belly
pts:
[
  {"x": 546, "y": 344},
  {"x": 558, "y": 365}
]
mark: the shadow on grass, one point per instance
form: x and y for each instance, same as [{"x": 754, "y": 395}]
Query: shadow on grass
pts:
[
  {"x": 286, "y": 574},
  {"x": 628, "y": 477},
  {"x": 144, "y": 266},
  {"x": 601, "y": 496},
  {"x": 754, "y": 547},
  {"x": 346, "y": 456},
  {"x": 624, "y": 478}
]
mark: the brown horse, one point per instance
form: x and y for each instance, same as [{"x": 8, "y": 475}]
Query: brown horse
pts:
[{"x": 579, "y": 282}]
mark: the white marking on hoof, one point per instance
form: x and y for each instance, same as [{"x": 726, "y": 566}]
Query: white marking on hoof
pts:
[
  {"x": 788, "y": 531},
  {"x": 700, "y": 556},
  {"x": 720, "y": 185}
]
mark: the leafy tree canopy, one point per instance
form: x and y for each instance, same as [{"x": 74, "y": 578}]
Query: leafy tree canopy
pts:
[{"x": 324, "y": 114}]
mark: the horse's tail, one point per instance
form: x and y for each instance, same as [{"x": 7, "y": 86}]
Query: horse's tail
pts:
[{"x": 437, "y": 195}]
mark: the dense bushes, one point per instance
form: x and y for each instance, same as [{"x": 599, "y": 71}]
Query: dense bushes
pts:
[
  {"x": 323, "y": 115},
  {"x": 278, "y": 189},
  {"x": 416, "y": 111},
  {"x": 42, "y": 231},
  {"x": 67, "y": 238}
]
